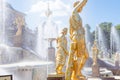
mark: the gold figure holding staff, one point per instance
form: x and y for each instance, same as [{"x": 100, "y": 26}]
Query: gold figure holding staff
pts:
[{"x": 78, "y": 53}]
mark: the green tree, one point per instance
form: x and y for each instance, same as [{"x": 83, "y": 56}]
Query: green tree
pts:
[
  {"x": 117, "y": 27},
  {"x": 106, "y": 27}
]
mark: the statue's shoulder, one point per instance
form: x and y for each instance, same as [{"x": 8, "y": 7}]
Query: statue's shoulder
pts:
[{"x": 61, "y": 36}]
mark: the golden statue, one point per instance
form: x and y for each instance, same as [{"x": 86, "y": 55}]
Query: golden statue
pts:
[
  {"x": 61, "y": 51},
  {"x": 78, "y": 52},
  {"x": 95, "y": 65},
  {"x": 95, "y": 52},
  {"x": 19, "y": 22}
]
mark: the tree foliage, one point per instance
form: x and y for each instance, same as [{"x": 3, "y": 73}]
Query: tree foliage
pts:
[
  {"x": 117, "y": 27},
  {"x": 106, "y": 26}
]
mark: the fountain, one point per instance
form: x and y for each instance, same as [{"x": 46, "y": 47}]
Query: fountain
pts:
[
  {"x": 115, "y": 40},
  {"x": 47, "y": 31},
  {"x": 89, "y": 38},
  {"x": 18, "y": 61},
  {"x": 115, "y": 45},
  {"x": 101, "y": 40},
  {"x": 7, "y": 50},
  {"x": 2, "y": 21},
  {"x": 29, "y": 66}
]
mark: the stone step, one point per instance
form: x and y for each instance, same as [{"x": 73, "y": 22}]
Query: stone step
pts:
[
  {"x": 55, "y": 76},
  {"x": 109, "y": 78}
]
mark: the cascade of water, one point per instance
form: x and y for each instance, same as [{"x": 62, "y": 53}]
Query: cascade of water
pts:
[
  {"x": 46, "y": 31},
  {"x": 101, "y": 40},
  {"x": 2, "y": 21},
  {"x": 115, "y": 40},
  {"x": 111, "y": 40},
  {"x": 89, "y": 39}
]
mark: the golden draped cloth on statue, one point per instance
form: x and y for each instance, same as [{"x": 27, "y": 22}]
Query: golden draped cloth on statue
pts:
[{"x": 78, "y": 52}]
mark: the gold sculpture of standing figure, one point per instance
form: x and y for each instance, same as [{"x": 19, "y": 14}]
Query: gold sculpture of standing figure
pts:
[
  {"x": 78, "y": 53},
  {"x": 95, "y": 52},
  {"x": 61, "y": 51},
  {"x": 19, "y": 22}
]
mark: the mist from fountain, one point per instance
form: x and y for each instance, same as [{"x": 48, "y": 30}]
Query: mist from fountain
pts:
[
  {"x": 10, "y": 54},
  {"x": 2, "y": 21},
  {"x": 89, "y": 39},
  {"x": 114, "y": 40},
  {"x": 46, "y": 30},
  {"x": 102, "y": 41}
]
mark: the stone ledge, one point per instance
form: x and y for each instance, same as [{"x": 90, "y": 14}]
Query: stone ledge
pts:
[
  {"x": 101, "y": 78},
  {"x": 54, "y": 76},
  {"x": 92, "y": 78}
]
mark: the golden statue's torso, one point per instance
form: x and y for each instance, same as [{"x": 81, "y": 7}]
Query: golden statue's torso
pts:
[{"x": 62, "y": 41}]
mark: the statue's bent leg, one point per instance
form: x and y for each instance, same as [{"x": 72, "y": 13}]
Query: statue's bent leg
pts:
[
  {"x": 59, "y": 69},
  {"x": 75, "y": 67},
  {"x": 69, "y": 69},
  {"x": 60, "y": 61},
  {"x": 84, "y": 57}
]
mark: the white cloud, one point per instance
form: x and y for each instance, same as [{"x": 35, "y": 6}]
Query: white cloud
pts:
[
  {"x": 57, "y": 7},
  {"x": 58, "y": 22},
  {"x": 38, "y": 7}
]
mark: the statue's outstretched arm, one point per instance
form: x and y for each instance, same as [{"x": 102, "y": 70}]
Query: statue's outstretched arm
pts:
[{"x": 80, "y": 6}]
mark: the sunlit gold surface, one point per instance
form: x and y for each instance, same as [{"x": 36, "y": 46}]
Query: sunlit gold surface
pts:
[
  {"x": 19, "y": 22},
  {"x": 78, "y": 53},
  {"x": 95, "y": 52},
  {"x": 61, "y": 51}
]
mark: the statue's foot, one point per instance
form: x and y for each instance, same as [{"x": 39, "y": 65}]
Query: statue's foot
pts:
[
  {"x": 81, "y": 77},
  {"x": 60, "y": 72},
  {"x": 74, "y": 78}
]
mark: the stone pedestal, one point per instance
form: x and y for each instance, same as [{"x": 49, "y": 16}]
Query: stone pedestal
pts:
[
  {"x": 94, "y": 78},
  {"x": 117, "y": 60},
  {"x": 51, "y": 57},
  {"x": 51, "y": 54},
  {"x": 95, "y": 70},
  {"x": 18, "y": 41},
  {"x": 117, "y": 64},
  {"x": 56, "y": 77}
]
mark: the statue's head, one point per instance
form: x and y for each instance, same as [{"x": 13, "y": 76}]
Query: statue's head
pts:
[
  {"x": 75, "y": 4},
  {"x": 64, "y": 30}
]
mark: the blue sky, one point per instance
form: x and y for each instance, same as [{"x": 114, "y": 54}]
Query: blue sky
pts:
[{"x": 95, "y": 11}]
